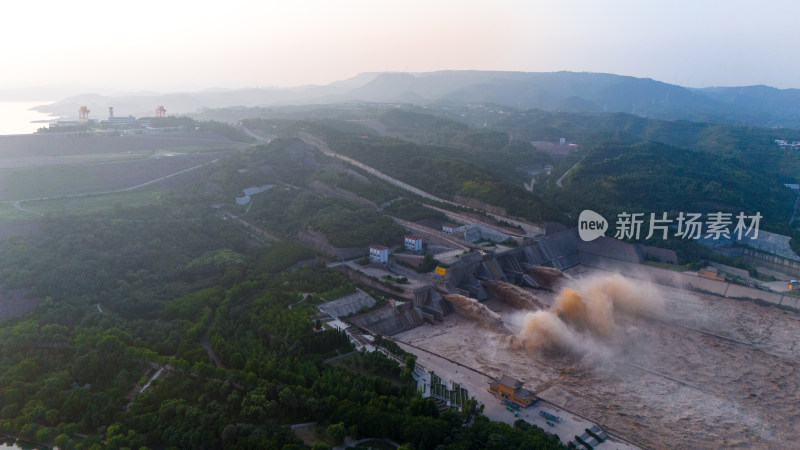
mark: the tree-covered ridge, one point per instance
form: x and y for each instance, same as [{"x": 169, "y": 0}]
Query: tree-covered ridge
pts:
[
  {"x": 708, "y": 166},
  {"x": 442, "y": 171},
  {"x": 125, "y": 262},
  {"x": 122, "y": 358},
  {"x": 310, "y": 191},
  {"x": 169, "y": 325},
  {"x": 183, "y": 290},
  {"x": 753, "y": 146},
  {"x": 631, "y": 163},
  {"x": 651, "y": 177},
  {"x": 490, "y": 148}
]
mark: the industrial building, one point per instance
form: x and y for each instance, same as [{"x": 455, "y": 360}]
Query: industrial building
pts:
[
  {"x": 128, "y": 122},
  {"x": 64, "y": 123},
  {"x": 511, "y": 390},
  {"x": 413, "y": 243},
  {"x": 378, "y": 253},
  {"x": 113, "y": 121}
]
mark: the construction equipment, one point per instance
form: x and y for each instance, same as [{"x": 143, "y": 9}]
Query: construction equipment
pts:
[{"x": 550, "y": 416}]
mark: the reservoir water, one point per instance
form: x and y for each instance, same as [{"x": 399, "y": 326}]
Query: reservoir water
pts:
[{"x": 17, "y": 117}]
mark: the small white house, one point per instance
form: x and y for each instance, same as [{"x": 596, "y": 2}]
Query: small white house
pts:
[
  {"x": 378, "y": 253},
  {"x": 449, "y": 228}
]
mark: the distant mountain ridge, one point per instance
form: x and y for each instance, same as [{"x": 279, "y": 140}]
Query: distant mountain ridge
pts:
[{"x": 550, "y": 91}]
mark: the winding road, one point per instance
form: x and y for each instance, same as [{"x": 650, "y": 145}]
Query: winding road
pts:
[
  {"x": 17, "y": 203},
  {"x": 529, "y": 228},
  {"x": 558, "y": 182}
]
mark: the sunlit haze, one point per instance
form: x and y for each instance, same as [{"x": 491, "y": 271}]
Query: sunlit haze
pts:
[
  {"x": 441, "y": 224},
  {"x": 101, "y": 46}
]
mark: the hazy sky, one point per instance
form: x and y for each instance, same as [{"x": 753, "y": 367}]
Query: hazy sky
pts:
[{"x": 117, "y": 45}]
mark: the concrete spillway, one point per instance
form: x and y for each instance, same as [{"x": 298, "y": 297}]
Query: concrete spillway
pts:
[
  {"x": 545, "y": 276},
  {"x": 475, "y": 310},
  {"x": 514, "y": 295}
]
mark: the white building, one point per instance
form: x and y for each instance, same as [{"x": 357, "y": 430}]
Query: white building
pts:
[
  {"x": 449, "y": 228},
  {"x": 378, "y": 253},
  {"x": 413, "y": 243}
]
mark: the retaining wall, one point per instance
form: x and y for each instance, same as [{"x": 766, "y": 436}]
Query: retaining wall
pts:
[
  {"x": 348, "y": 304},
  {"x": 319, "y": 242},
  {"x": 691, "y": 282}
]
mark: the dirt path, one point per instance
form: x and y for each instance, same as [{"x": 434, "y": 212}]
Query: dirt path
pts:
[
  {"x": 340, "y": 356},
  {"x": 255, "y": 229},
  {"x": 379, "y": 127},
  {"x": 153, "y": 378},
  {"x": 206, "y": 343},
  {"x": 20, "y": 208},
  {"x": 425, "y": 231},
  {"x": 320, "y": 145},
  {"x": 529, "y": 228},
  {"x": 17, "y": 203},
  {"x": 255, "y": 136},
  {"x": 558, "y": 182}
]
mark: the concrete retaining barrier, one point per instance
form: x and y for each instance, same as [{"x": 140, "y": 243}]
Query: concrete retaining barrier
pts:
[
  {"x": 746, "y": 293},
  {"x": 791, "y": 301},
  {"x": 690, "y": 282}
]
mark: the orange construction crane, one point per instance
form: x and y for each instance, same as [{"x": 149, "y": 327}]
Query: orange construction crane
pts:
[{"x": 83, "y": 115}]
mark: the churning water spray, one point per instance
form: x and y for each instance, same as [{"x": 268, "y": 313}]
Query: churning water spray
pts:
[
  {"x": 515, "y": 295},
  {"x": 546, "y": 276},
  {"x": 585, "y": 312},
  {"x": 477, "y": 311}
]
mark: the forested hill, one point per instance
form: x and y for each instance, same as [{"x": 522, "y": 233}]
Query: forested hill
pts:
[
  {"x": 551, "y": 91},
  {"x": 651, "y": 177},
  {"x": 753, "y": 146},
  {"x": 165, "y": 323},
  {"x": 624, "y": 163},
  {"x": 586, "y": 92}
]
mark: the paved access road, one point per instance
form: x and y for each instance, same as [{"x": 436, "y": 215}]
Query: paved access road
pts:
[{"x": 477, "y": 384}]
